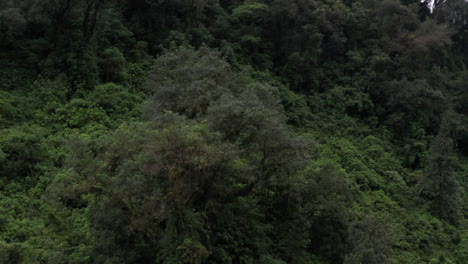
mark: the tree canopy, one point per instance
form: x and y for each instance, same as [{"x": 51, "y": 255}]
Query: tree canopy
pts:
[{"x": 234, "y": 131}]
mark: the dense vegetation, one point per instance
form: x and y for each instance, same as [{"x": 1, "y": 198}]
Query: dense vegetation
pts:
[{"x": 232, "y": 131}]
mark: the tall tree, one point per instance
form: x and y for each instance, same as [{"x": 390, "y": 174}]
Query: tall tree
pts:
[{"x": 441, "y": 183}]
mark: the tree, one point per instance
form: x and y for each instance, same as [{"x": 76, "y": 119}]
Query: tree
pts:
[
  {"x": 455, "y": 13},
  {"x": 24, "y": 150},
  {"x": 371, "y": 241},
  {"x": 187, "y": 82},
  {"x": 113, "y": 66},
  {"x": 156, "y": 189},
  {"x": 440, "y": 183},
  {"x": 330, "y": 197},
  {"x": 12, "y": 25},
  {"x": 406, "y": 103},
  {"x": 212, "y": 139}
]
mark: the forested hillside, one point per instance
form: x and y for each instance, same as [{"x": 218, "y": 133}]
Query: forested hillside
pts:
[{"x": 233, "y": 131}]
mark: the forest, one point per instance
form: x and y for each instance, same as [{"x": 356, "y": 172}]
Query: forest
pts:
[{"x": 233, "y": 131}]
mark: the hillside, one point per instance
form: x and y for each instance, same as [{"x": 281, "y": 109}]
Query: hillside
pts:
[{"x": 233, "y": 131}]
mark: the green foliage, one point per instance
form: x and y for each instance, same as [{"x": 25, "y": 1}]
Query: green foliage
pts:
[
  {"x": 114, "y": 99},
  {"x": 113, "y": 65},
  {"x": 186, "y": 82},
  {"x": 257, "y": 131},
  {"x": 10, "y": 253},
  {"x": 248, "y": 10},
  {"x": 23, "y": 151},
  {"x": 173, "y": 163},
  {"x": 441, "y": 183},
  {"x": 372, "y": 241},
  {"x": 10, "y": 109}
]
